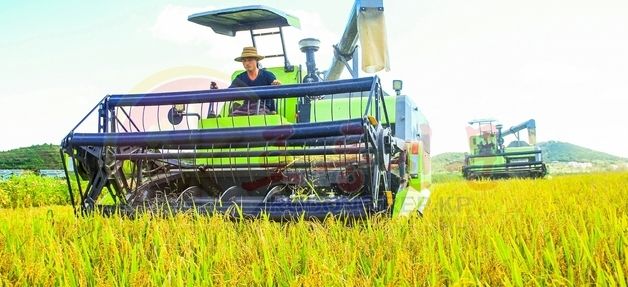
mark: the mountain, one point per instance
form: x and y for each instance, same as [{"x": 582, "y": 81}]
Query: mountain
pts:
[
  {"x": 447, "y": 162},
  {"x": 45, "y": 156},
  {"x": 566, "y": 152}
]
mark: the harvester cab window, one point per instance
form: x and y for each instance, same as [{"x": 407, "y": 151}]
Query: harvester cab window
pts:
[{"x": 487, "y": 143}]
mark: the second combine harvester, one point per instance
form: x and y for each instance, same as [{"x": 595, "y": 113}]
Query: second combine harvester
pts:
[
  {"x": 342, "y": 147},
  {"x": 490, "y": 158}
]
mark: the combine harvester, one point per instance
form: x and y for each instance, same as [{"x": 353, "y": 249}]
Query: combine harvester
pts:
[
  {"x": 489, "y": 158},
  {"x": 341, "y": 147}
]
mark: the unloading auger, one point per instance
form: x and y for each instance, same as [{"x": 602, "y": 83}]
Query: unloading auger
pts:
[{"x": 342, "y": 147}]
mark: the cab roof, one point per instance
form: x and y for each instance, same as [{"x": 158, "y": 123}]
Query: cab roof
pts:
[
  {"x": 482, "y": 121},
  {"x": 231, "y": 20}
]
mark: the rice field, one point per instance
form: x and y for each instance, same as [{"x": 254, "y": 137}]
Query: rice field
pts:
[{"x": 567, "y": 230}]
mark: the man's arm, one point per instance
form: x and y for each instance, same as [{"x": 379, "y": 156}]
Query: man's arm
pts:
[
  {"x": 272, "y": 79},
  {"x": 237, "y": 82}
]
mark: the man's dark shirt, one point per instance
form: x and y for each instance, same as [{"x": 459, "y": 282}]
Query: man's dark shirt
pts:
[{"x": 264, "y": 78}]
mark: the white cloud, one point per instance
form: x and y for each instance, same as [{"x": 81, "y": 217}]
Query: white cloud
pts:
[
  {"x": 172, "y": 25},
  {"x": 559, "y": 64},
  {"x": 312, "y": 26}
]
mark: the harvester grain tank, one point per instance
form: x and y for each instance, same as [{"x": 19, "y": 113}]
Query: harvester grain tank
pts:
[
  {"x": 490, "y": 158},
  {"x": 333, "y": 146}
]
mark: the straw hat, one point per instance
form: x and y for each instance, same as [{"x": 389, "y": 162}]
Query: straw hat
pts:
[{"x": 249, "y": 52}]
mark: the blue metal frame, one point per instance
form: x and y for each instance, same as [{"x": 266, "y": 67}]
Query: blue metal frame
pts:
[
  {"x": 93, "y": 148},
  {"x": 219, "y": 136},
  {"x": 246, "y": 93}
]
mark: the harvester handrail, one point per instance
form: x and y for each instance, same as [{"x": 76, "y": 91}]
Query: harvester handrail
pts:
[
  {"x": 252, "y": 93},
  {"x": 221, "y": 135},
  {"x": 99, "y": 104}
]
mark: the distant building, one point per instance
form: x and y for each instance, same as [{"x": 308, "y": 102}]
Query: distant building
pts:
[
  {"x": 56, "y": 173},
  {"x": 576, "y": 164},
  {"x": 7, "y": 173}
]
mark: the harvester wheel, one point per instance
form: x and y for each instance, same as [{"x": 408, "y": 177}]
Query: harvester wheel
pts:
[
  {"x": 277, "y": 189},
  {"x": 193, "y": 192},
  {"x": 232, "y": 192}
]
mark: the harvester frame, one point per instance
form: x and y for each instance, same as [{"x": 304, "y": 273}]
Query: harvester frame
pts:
[{"x": 342, "y": 147}]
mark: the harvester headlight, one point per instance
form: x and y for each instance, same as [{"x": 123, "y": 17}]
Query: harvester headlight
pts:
[
  {"x": 180, "y": 108},
  {"x": 397, "y": 86}
]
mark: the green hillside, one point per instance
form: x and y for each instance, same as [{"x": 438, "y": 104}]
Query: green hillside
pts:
[
  {"x": 566, "y": 152},
  {"x": 35, "y": 157},
  {"x": 447, "y": 162}
]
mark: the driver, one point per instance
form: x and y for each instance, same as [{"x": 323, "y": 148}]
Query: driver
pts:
[{"x": 253, "y": 76}]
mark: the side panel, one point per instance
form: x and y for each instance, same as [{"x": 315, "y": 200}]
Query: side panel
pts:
[
  {"x": 412, "y": 126},
  {"x": 350, "y": 107},
  {"x": 413, "y": 197},
  {"x": 410, "y": 200},
  {"x": 487, "y": 160},
  {"x": 243, "y": 121}
]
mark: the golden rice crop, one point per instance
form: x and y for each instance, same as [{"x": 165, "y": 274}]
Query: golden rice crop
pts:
[{"x": 568, "y": 230}]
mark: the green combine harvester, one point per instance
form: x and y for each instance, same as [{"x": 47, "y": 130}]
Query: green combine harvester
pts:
[
  {"x": 489, "y": 158},
  {"x": 333, "y": 146}
]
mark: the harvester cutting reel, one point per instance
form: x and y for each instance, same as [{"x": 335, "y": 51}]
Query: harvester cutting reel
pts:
[
  {"x": 259, "y": 164},
  {"x": 148, "y": 184}
]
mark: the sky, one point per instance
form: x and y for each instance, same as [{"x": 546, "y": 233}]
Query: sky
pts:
[{"x": 562, "y": 62}]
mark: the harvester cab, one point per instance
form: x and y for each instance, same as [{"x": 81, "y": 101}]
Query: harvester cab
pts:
[
  {"x": 490, "y": 158},
  {"x": 333, "y": 146},
  {"x": 255, "y": 19},
  {"x": 260, "y": 22},
  {"x": 485, "y": 141}
]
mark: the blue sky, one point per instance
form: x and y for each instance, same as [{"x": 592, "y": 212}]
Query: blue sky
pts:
[{"x": 562, "y": 62}]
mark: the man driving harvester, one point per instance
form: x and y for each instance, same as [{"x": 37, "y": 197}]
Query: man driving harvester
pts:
[{"x": 253, "y": 76}]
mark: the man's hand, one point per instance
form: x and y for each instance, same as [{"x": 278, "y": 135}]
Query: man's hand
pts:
[{"x": 275, "y": 83}]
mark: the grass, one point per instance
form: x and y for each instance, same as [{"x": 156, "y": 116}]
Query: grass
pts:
[{"x": 568, "y": 230}]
